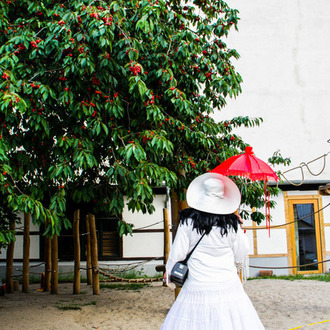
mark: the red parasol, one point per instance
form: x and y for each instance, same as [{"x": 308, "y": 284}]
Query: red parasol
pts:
[{"x": 249, "y": 166}]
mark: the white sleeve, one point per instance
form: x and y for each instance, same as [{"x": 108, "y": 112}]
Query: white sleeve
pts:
[
  {"x": 179, "y": 250},
  {"x": 240, "y": 246}
]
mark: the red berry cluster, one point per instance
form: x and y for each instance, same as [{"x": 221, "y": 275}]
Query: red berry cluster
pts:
[
  {"x": 20, "y": 48},
  {"x": 107, "y": 20},
  {"x": 96, "y": 15},
  {"x": 35, "y": 43},
  {"x": 151, "y": 101},
  {"x": 35, "y": 108},
  {"x": 191, "y": 162},
  {"x": 134, "y": 50},
  {"x": 147, "y": 137},
  {"x": 219, "y": 43},
  {"x": 5, "y": 76},
  {"x": 208, "y": 75},
  {"x": 35, "y": 86},
  {"x": 96, "y": 81},
  {"x": 135, "y": 68},
  {"x": 87, "y": 103}
]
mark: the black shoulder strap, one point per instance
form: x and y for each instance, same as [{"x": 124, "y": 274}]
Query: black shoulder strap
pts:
[{"x": 191, "y": 252}]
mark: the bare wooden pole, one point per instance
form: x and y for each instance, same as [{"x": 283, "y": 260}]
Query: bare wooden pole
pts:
[
  {"x": 88, "y": 252},
  {"x": 26, "y": 253},
  {"x": 94, "y": 253},
  {"x": 10, "y": 263},
  {"x": 76, "y": 247},
  {"x": 48, "y": 262},
  {"x": 54, "y": 267}
]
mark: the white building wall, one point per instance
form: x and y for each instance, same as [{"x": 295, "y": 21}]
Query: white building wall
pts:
[
  {"x": 285, "y": 64},
  {"x": 275, "y": 243},
  {"x": 139, "y": 220},
  {"x": 143, "y": 244},
  {"x": 34, "y": 241}
]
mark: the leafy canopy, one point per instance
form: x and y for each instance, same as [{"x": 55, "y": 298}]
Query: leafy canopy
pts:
[{"x": 101, "y": 99}]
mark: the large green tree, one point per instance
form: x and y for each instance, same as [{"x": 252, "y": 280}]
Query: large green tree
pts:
[{"x": 101, "y": 99}]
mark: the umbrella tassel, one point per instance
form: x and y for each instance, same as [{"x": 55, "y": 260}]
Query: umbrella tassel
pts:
[
  {"x": 267, "y": 207},
  {"x": 268, "y": 203}
]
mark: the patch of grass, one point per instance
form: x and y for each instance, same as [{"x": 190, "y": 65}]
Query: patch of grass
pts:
[
  {"x": 120, "y": 286},
  {"x": 133, "y": 274},
  {"x": 316, "y": 277},
  {"x": 68, "y": 307},
  {"x": 74, "y": 306}
]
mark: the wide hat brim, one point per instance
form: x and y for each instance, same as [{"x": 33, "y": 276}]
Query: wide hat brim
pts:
[{"x": 198, "y": 198}]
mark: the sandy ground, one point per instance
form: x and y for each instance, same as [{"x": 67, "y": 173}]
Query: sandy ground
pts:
[{"x": 281, "y": 304}]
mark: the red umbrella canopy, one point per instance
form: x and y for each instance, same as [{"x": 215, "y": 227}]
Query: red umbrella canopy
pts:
[{"x": 247, "y": 165}]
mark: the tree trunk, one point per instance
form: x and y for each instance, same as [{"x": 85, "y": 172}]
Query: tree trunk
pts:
[
  {"x": 54, "y": 267},
  {"x": 177, "y": 206},
  {"x": 166, "y": 238},
  {"x": 95, "y": 270},
  {"x": 48, "y": 262},
  {"x": 26, "y": 253},
  {"x": 88, "y": 252},
  {"x": 76, "y": 242},
  {"x": 9, "y": 264}
]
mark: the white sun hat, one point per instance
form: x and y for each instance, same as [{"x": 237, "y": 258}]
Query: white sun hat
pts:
[{"x": 213, "y": 193}]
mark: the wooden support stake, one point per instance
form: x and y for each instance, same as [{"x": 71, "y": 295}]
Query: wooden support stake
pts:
[
  {"x": 94, "y": 253},
  {"x": 48, "y": 261},
  {"x": 54, "y": 272},
  {"x": 88, "y": 252},
  {"x": 26, "y": 253},
  {"x": 76, "y": 249},
  {"x": 10, "y": 264}
]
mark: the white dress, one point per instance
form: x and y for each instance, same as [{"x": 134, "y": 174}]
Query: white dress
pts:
[{"x": 212, "y": 297}]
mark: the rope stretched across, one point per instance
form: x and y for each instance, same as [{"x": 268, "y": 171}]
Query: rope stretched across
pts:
[
  {"x": 114, "y": 278},
  {"x": 289, "y": 267},
  {"x": 288, "y": 223}
]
